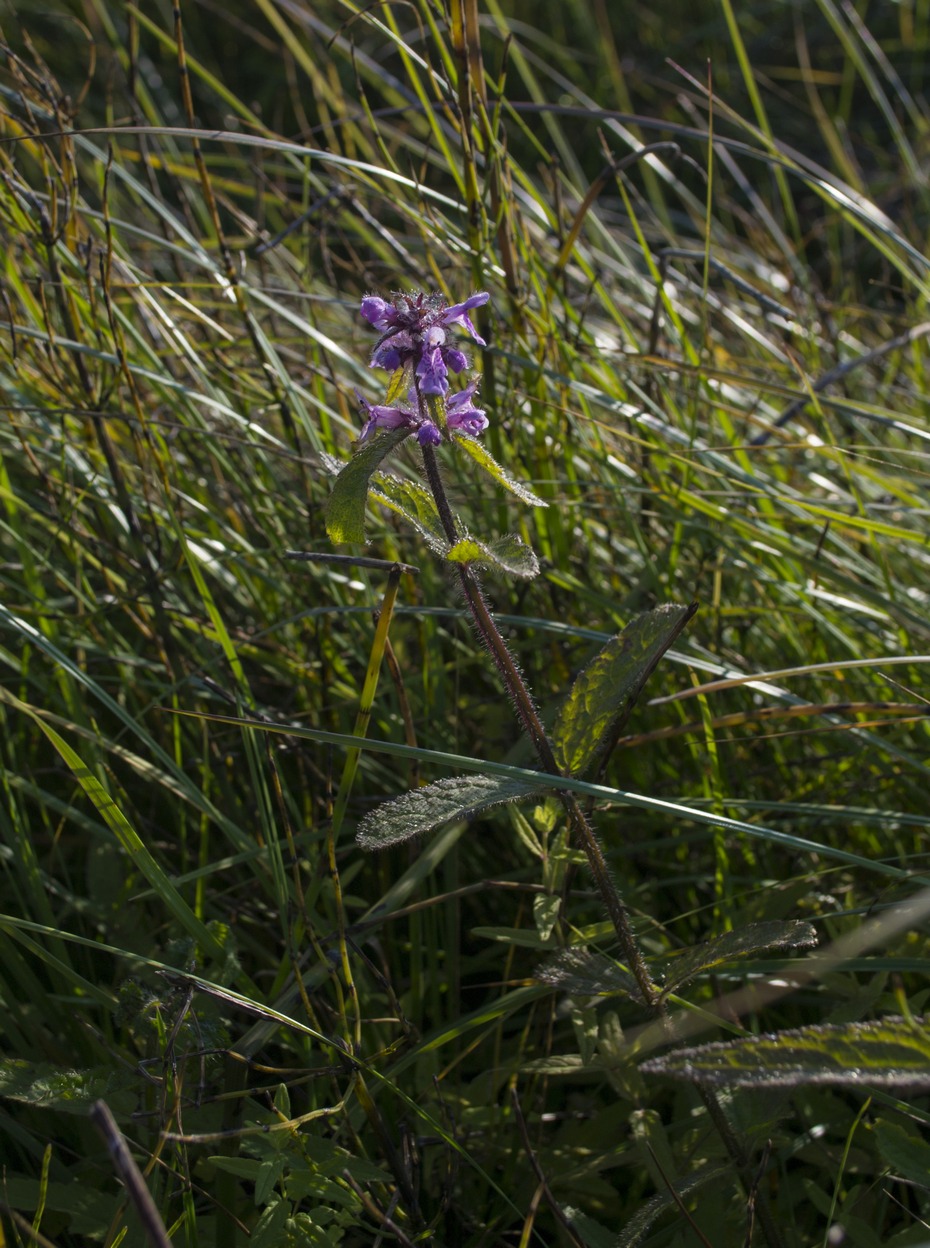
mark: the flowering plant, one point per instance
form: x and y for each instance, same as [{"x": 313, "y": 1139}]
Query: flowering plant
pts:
[{"x": 415, "y": 347}]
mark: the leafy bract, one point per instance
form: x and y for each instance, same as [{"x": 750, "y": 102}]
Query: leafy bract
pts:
[
  {"x": 412, "y": 501},
  {"x": 424, "y": 810},
  {"x": 509, "y": 554},
  {"x": 746, "y": 940},
  {"x": 891, "y": 1053},
  {"x": 484, "y": 459},
  {"x": 345, "y": 507},
  {"x": 603, "y": 694}
]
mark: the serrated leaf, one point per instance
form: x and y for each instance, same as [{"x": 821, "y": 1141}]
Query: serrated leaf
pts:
[
  {"x": 513, "y": 555},
  {"x": 892, "y": 1053},
  {"x": 484, "y": 459},
  {"x": 345, "y": 507},
  {"x": 445, "y": 801},
  {"x": 587, "y": 974},
  {"x": 412, "y": 501},
  {"x": 603, "y": 694},
  {"x": 637, "y": 1227},
  {"x": 508, "y": 553},
  {"x": 749, "y": 939},
  {"x": 44, "y": 1086}
]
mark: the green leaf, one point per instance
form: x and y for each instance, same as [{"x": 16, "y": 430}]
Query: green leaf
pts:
[
  {"x": 412, "y": 501},
  {"x": 124, "y": 832},
  {"x": 522, "y": 937},
  {"x": 484, "y": 459},
  {"x": 583, "y": 973},
  {"x": 637, "y": 1227},
  {"x": 891, "y": 1053},
  {"x": 268, "y": 1231},
  {"x": 465, "y": 550},
  {"x": 88, "y": 1212},
  {"x": 508, "y": 553},
  {"x": 546, "y": 908},
  {"x": 345, "y": 507},
  {"x": 423, "y": 810},
  {"x": 749, "y": 939},
  {"x": 70, "y": 1091},
  {"x": 907, "y": 1154},
  {"x": 603, "y": 695}
]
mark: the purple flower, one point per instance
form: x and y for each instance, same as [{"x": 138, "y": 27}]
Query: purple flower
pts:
[
  {"x": 431, "y": 373},
  {"x": 428, "y": 434},
  {"x": 458, "y": 314},
  {"x": 462, "y": 414},
  {"x": 380, "y": 417},
  {"x": 413, "y": 335}
]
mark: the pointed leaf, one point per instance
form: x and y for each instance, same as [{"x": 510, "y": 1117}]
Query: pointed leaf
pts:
[
  {"x": 423, "y": 810},
  {"x": 513, "y": 555},
  {"x": 604, "y": 693},
  {"x": 508, "y": 554},
  {"x": 637, "y": 1227},
  {"x": 43, "y": 1086},
  {"x": 345, "y": 507},
  {"x": 904, "y": 1150},
  {"x": 892, "y": 1053},
  {"x": 412, "y": 501},
  {"x": 583, "y": 973},
  {"x": 746, "y": 940},
  {"x": 484, "y": 459}
]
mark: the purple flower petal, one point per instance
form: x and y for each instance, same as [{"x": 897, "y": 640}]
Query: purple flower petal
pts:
[
  {"x": 431, "y": 371},
  {"x": 378, "y": 312},
  {"x": 381, "y": 417},
  {"x": 462, "y": 414},
  {"x": 458, "y": 314},
  {"x": 464, "y": 397},
  {"x": 455, "y": 359},
  {"x": 428, "y": 434}
]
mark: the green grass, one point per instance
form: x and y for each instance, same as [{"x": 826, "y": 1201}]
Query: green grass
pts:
[{"x": 710, "y": 360}]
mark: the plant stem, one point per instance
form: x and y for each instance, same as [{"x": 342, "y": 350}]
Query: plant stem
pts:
[
  {"x": 529, "y": 717},
  {"x": 582, "y": 830}
]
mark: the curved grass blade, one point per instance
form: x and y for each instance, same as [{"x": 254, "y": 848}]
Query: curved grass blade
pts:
[
  {"x": 541, "y": 782},
  {"x": 125, "y": 833}
]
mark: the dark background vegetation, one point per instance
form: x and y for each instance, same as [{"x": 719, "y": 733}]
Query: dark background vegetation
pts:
[{"x": 704, "y": 366}]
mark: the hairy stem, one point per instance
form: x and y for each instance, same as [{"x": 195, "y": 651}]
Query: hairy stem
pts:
[{"x": 529, "y": 717}]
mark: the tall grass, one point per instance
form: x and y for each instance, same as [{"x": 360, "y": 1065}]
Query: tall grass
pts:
[{"x": 707, "y": 332}]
